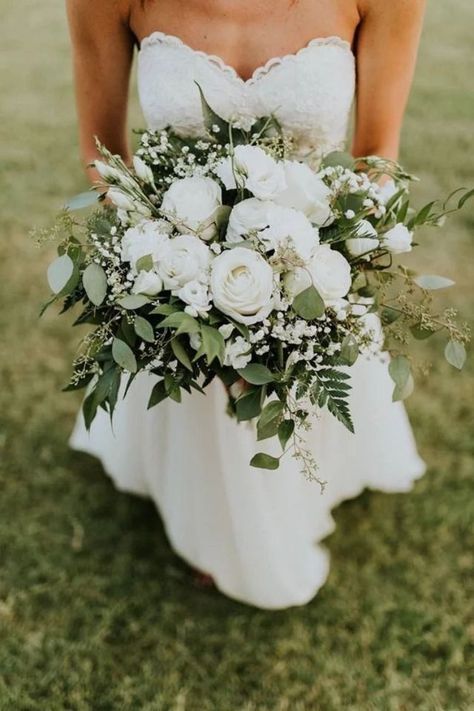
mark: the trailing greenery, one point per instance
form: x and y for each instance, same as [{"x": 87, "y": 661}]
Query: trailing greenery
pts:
[{"x": 96, "y": 611}]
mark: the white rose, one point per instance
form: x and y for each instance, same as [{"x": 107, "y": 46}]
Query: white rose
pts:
[
  {"x": 366, "y": 239},
  {"x": 247, "y": 216},
  {"x": 148, "y": 283},
  {"x": 253, "y": 169},
  {"x": 306, "y": 192},
  {"x": 237, "y": 353},
  {"x": 398, "y": 239},
  {"x": 196, "y": 296},
  {"x": 242, "y": 285},
  {"x": 193, "y": 203},
  {"x": 186, "y": 259},
  {"x": 328, "y": 271},
  {"x": 286, "y": 223},
  {"x": 142, "y": 170},
  {"x": 146, "y": 238}
]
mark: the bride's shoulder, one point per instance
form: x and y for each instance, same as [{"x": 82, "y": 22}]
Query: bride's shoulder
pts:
[
  {"x": 100, "y": 24},
  {"x": 390, "y": 9},
  {"x": 102, "y": 14}
]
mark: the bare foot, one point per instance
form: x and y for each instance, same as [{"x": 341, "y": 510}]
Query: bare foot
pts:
[{"x": 203, "y": 580}]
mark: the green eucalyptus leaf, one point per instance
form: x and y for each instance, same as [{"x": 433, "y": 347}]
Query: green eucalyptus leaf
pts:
[
  {"x": 256, "y": 374},
  {"x": 390, "y": 315},
  {"x": 420, "y": 333},
  {"x": 308, "y": 304},
  {"x": 144, "y": 329},
  {"x": 264, "y": 461},
  {"x": 60, "y": 272},
  {"x": 124, "y": 356},
  {"x": 399, "y": 370},
  {"x": 79, "y": 202},
  {"x": 349, "y": 350},
  {"x": 133, "y": 301},
  {"x": 432, "y": 282},
  {"x": 336, "y": 158},
  {"x": 455, "y": 354},
  {"x": 401, "y": 392},
  {"x": 94, "y": 280}
]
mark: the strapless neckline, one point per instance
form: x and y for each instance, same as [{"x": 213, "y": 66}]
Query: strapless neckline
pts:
[{"x": 158, "y": 37}]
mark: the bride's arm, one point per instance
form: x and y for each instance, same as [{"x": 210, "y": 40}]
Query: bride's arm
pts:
[
  {"x": 386, "y": 50},
  {"x": 103, "y": 52}
]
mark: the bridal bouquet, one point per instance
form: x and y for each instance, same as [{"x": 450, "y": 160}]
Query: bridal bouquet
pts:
[{"x": 221, "y": 256}]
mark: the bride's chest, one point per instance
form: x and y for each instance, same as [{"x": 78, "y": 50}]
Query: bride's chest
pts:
[{"x": 309, "y": 91}]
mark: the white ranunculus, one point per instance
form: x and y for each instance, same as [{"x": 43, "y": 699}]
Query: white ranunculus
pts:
[
  {"x": 242, "y": 285},
  {"x": 286, "y": 223},
  {"x": 148, "y": 283},
  {"x": 196, "y": 296},
  {"x": 366, "y": 239},
  {"x": 186, "y": 259},
  {"x": 146, "y": 238},
  {"x": 305, "y": 191},
  {"x": 237, "y": 353},
  {"x": 328, "y": 271},
  {"x": 143, "y": 171},
  {"x": 398, "y": 239},
  {"x": 254, "y": 170},
  {"x": 193, "y": 204},
  {"x": 247, "y": 216}
]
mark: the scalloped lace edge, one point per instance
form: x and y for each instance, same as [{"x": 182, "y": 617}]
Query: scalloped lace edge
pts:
[{"x": 159, "y": 37}]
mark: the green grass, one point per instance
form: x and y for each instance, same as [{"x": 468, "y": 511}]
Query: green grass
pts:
[{"x": 96, "y": 612}]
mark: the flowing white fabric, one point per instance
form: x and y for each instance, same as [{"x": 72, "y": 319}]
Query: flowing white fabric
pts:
[{"x": 256, "y": 532}]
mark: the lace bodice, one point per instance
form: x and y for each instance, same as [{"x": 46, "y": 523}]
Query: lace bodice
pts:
[{"x": 310, "y": 92}]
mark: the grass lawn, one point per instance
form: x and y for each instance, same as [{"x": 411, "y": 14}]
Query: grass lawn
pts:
[{"x": 96, "y": 611}]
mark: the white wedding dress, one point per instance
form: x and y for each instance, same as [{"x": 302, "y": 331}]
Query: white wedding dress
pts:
[{"x": 256, "y": 532}]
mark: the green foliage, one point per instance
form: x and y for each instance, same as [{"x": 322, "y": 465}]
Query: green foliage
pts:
[
  {"x": 95, "y": 283},
  {"x": 431, "y": 282},
  {"x": 256, "y": 374},
  {"x": 331, "y": 390},
  {"x": 455, "y": 354},
  {"x": 249, "y": 405},
  {"x": 97, "y": 611},
  {"x": 123, "y": 355},
  {"x": 83, "y": 200},
  {"x": 144, "y": 329},
  {"x": 133, "y": 301},
  {"x": 212, "y": 345},
  {"x": 308, "y": 304},
  {"x": 264, "y": 461},
  {"x": 60, "y": 272}
]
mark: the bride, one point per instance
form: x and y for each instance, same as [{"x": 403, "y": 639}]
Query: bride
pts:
[{"x": 256, "y": 532}]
